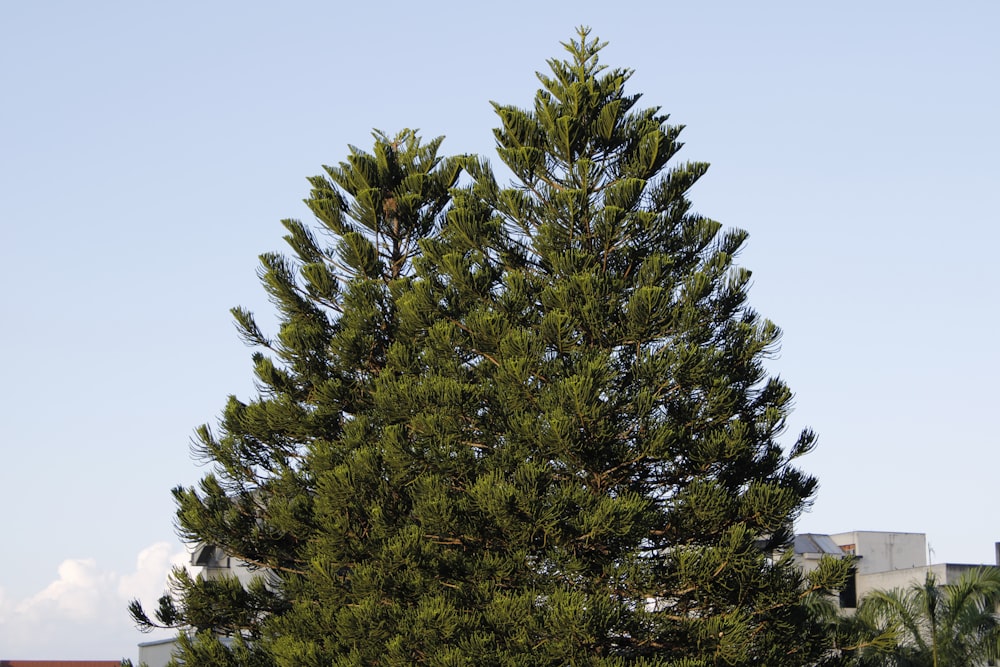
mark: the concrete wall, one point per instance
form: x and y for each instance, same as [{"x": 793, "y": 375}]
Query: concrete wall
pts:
[
  {"x": 156, "y": 654},
  {"x": 891, "y": 579},
  {"x": 944, "y": 573},
  {"x": 233, "y": 568},
  {"x": 159, "y": 653},
  {"x": 883, "y": 551}
]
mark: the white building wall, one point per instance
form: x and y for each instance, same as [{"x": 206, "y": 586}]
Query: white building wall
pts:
[
  {"x": 884, "y": 551},
  {"x": 232, "y": 568},
  {"x": 158, "y": 653},
  {"x": 944, "y": 573},
  {"x": 212, "y": 565},
  {"x": 891, "y": 579}
]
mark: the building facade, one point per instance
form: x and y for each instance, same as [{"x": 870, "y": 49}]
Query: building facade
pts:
[{"x": 883, "y": 560}]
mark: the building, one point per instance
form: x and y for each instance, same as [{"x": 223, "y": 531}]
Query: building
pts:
[
  {"x": 214, "y": 564},
  {"x": 883, "y": 560},
  {"x": 156, "y": 653}
]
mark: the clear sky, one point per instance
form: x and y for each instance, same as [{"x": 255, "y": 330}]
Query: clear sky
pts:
[{"x": 149, "y": 150}]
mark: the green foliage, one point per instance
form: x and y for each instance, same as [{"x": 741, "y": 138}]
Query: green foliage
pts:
[
  {"x": 315, "y": 380},
  {"x": 508, "y": 425}
]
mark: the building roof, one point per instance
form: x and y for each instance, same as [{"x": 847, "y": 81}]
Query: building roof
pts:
[{"x": 812, "y": 543}]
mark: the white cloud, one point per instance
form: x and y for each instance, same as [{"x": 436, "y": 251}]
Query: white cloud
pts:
[
  {"x": 82, "y": 611},
  {"x": 149, "y": 581},
  {"x": 78, "y": 594}
]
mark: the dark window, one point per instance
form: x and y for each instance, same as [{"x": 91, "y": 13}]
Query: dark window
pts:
[{"x": 849, "y": 594}]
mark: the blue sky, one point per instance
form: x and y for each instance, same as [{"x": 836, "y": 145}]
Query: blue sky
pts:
[{"x": 149, "y": 150}]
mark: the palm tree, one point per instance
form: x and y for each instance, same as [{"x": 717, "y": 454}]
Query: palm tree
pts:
[{"x": 951, "y": 625}]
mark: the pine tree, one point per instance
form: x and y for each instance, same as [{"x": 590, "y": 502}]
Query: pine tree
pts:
[
  {"x": 337, "y": 319},
  {"x": 513, "y": 425},
  {"x": 582, "y": 382}
]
